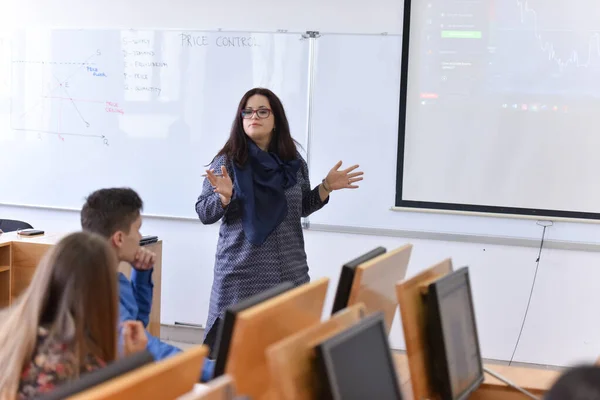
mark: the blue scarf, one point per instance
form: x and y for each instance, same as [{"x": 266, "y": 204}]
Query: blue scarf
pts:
[{"x": 260, "y": 186}]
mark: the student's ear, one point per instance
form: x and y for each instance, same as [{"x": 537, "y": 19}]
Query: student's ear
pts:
[{"x": 117, "y": 239}]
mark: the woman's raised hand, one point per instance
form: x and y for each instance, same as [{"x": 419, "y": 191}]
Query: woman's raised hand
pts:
[
  {"x": 221, "y": 184},
  {"x": 343, "y": 179}
]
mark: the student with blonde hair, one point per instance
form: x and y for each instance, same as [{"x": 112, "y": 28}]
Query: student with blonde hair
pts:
[{"x": 65, "y": 322}]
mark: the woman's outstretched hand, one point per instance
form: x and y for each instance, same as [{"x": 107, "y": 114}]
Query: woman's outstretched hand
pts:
[
  {"x": 343, "y": 179},
  {"x": 221, "y": 184}
]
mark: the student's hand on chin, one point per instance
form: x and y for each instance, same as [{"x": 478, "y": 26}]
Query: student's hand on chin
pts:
[
  {"x": 144, "y": 259},
  {"x": 134, "y": 337}
]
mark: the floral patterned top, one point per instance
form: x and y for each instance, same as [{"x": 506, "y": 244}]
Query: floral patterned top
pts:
[{"x": 52, "y": 364}]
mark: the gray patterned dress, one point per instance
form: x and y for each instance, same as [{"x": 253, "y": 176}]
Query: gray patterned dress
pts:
[{"x": 243, "y": 269}]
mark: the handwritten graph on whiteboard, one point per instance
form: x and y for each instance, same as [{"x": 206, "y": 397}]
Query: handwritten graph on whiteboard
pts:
[
  {"x": 65, "y": 85},
  {"x": 142, "y": 108}
]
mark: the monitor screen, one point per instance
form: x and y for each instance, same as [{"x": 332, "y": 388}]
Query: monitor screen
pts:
[
  {"x": 91, "y": 379},
  {"x": 344, "y": 286},
  {"x": 228, "y": 322},
  {"x": 456, "y": 358},
  {"x": 357, "y": 363}
]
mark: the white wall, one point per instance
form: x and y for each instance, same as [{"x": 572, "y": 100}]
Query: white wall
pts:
[
  {"x": 562, "y": 327},
  {"x": 259, "y": 15}
]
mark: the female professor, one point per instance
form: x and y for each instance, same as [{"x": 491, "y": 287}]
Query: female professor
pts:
[{"x": 259, "y": 185}]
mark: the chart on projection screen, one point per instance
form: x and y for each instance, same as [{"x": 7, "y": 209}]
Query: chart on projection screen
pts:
[{"x": 502, "y": 106}]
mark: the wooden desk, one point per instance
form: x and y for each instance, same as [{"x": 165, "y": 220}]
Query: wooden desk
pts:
[
  {"x": 165, "y": 379},
  {"x": 536, "y": 381},
  {"x": 20, "y": 255}
]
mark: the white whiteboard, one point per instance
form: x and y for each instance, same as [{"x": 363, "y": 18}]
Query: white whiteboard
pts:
[{"x": 146, "y": 109}]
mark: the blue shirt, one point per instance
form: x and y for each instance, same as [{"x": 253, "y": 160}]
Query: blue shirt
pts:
[{"x": 135, "y": 303}]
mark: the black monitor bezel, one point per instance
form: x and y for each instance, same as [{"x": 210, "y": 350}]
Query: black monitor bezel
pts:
[
  {"x": 440, "y": 373},
  {"x": 325, "y": 362},
  {"x": 226, "y": 328},
  {"x": 342, "y": 294}
]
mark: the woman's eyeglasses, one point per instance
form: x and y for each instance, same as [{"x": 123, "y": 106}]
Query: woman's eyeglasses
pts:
[{"x": 261, "y": 113}]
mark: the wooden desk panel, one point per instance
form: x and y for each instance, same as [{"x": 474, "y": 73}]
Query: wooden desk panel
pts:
[
  {"x": 25, "y": 259},
  {"x": 166, "y": 379},
  {"x": 536, "y": 381},
  {"x": 20, "y": 256},
  {"x": 375, "y": 283},
  {"x": 5, "y": 255},
  {"x": 5, "y": 274},
  {"x": 263, "y": 325}
]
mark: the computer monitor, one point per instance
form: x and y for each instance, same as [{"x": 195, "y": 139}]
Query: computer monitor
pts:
[
  {"x": 456, "y": 365},
  {"x": 342, "y": 294},
  {"x": 413, "y": 310},
  {"x": 91, "y": 379},
  {"x": 146, "y": 240},
  {"x": 227, "y": 324},
  {"x": 293, "y": 375},
  {"x": 357, "y": 363}
]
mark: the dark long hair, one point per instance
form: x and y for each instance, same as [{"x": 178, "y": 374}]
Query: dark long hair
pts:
[{"x": 282, "y": 144}]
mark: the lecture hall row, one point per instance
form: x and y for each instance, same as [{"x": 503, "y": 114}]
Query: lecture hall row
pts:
[{"x": 312, "y": 353}]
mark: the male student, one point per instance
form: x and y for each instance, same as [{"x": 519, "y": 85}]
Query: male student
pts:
[{"x": 115, "y": 214}]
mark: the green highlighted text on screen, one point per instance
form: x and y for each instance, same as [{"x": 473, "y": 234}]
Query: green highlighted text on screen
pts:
[{"x": 461, "y": 34}]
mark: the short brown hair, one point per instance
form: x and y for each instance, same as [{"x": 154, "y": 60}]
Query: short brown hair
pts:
[{"x": 107, "y": 211}]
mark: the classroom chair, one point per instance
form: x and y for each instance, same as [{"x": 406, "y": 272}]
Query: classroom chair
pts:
[{"x": 11, "y": 225}]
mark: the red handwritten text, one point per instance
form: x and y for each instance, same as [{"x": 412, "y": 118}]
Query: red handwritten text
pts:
[{"x": 112, "y": 107}]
